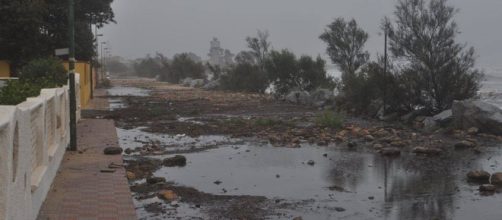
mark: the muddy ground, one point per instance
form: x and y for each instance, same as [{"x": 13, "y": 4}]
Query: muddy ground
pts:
[{"x": 156, "y": 121}]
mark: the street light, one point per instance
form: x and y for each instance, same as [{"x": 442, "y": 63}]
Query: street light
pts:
[{"x": 71, "y": 75}]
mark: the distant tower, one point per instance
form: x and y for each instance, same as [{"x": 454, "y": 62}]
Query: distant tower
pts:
[{"x": 216, "y": 53}]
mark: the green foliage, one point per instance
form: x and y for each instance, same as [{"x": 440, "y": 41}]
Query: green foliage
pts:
[
  {"x": 346, "y": 42},
  {"x": 16, "y": 91},
  {"x": 266, "y": 122},
  {"x": 286, "y": 72},
  {"x": 34, "y": 28},
  {"x": 244, "y": 77},
  {"x": 48, "y": 72},
  {"x": 441, "y": 69},
  {"x": 182, "y": 66},
  {"x": 330, "y": 119},
  {"x": 259, "y": 46},
  {"x": 150, "y": 66}
]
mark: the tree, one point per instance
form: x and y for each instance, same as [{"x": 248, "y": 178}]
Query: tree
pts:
[
  {"x": 259, "y": 46},
  {"x": 286, "y": 72},
  {"x": 32, "y": 29},
  {"x": 346, "y": 42},
  {"x": 244, "y": 77},
  {"x": 424, "y": 35},
  {"x": 182, "y": 66}
]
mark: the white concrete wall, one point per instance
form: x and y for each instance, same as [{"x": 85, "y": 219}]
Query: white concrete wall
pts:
[{"x": 34, "y": 136}]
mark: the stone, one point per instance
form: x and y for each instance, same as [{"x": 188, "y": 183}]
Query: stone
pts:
[
  {"x": 427, "y": 150},
  {"x": 217, "y": 182},
  {"x": 298, "y": 218},
  {"x": 480, "y": 114},
  {"x": 176, "y": 161},
  {"x": 478, "y": 175},
  {"x": 390, "y": 151},
  {"x": 351, "y": 144},
  {"x": 299, "y": 97},
  {"x": 377, "y": 146},
  {"x": 339, "y": 209},
  {"x": 168, "y": 195},
  {"x": 369, "y": 137},
  {"x": 112, "y": 150},
  {"x": 311, "y": 162},
  {"x": 212, "y": 85},
  {"x": 487, "y": 188},
  {"x": 155, "y": 180},
  {"x": 322, "y": 97},
  {"x": 496, "y": 179},
  {"x": 444, "y": 118},
  {"x": 429, "y": 124},
  {"x": 472, "y": 130},
  {"x": 130, "y": 175},
  {"x": 465, "y": 144},
  {"x": 128, "y": 151}
]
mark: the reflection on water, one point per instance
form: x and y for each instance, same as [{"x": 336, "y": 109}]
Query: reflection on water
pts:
[
  {"x": 367, "y": 185},
  {"x": 127, "y": 91}
]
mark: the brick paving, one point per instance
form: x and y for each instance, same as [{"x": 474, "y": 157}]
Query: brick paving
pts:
[{"x": 80, "y": 190}]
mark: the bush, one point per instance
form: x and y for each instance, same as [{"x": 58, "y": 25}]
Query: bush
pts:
[
  {"x": 181, "y": 67},
  {"x": 330, "y": 119},
  {"x": 46, "y": 72},
  {"x": 244, "y": 77},
  {"x": 16, "y": 91}
]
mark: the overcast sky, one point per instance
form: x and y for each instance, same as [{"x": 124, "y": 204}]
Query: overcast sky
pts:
[{"x": 174, "y": 26}]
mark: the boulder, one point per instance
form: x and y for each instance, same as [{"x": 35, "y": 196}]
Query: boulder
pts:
[
  {"x": 176, "y": 161},
  {"x": 299, "y": 97},
  {"x": 155, "y": 180},
  {"x": 112, "y": 150},
  {"x": 427, "y": 150},
  {"x": 465, "y": 144},
  {"x": 186, "y": 81},
  {"x": 390, "y": 151},
  {"x": 496, "y": 179},
  {"x": 212, "y": 85},
  {"x": 444, "y": 118},
  {"x": 429, "y": 124},
  {"x": 168, "y": 195},
  {"x": 487, "y": 188},
  {"x": 197, "y": 83},
  {"x": 479, "y": 114},
  {"x": 322, "y": 97},
  {"x": 478, "y": 175}
]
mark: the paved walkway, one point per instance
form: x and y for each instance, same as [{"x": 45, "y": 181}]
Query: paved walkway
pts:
[{"x": 81, "y": 190}]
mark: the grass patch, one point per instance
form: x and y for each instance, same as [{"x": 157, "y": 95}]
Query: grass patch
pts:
[{"x": 330, "y": 119}]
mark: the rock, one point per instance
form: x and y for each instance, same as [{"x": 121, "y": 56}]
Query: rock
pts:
[
  {"x": 339, "y": 209},
  {"x": 377, "y": 146},
  {"x": 480, "y": 114},
  {"x": 472, "y": 131},
  {"x": 130, "y": 175},
  {"x": 299, "y": 97},
  {"x": 478, "y": 175},
  {"x": 390, "y": 117},
  {"x": 496, "y": 179},
  {"x": 429, "y": 124},
  {"x": 128, "y": 151},
  {"x": 186, "y": 81},
  {"x": 444, "y": 118},
  {"x": 390, "y": 151},
  {"x": 322, "y": 97},
  {"x": 311, "y": 162},
  {"x": 369, "y": 137},
  {"x": 168, "y": 195},
  {"x": 212, "y": 85},
  {"x": 371, "y": 197},
  {"x": 398, "y": 143},
  {"x": 112, "y": 150},
  {"x": 155, "y": 180},
  {"x": 351, "y": 144},
  {"x": 298, "y": 218},
  {"x": 177, "y": 160},
  {"x": 197, "y": 83},
  {"x": 487, "y": 188},
  {"x": 427, "y": 151},
  {"x": 465, "y": 144},
  {"x": 217, "y": 182}
]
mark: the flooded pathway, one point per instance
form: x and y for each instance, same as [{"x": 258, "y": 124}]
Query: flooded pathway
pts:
[{"x": 249, "y": 178}]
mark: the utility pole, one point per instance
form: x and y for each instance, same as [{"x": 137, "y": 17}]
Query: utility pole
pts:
[
  {"x": 71, "y": 75},
  {"x": 91, "y": 64},
  {"x": 385, "y": 70}
]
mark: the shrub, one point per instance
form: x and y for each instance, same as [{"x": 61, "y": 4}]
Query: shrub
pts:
[
  {"x": 244, "y": 77},
  {"x": 330, "y": 119},
  {"x": 46, "y": 72},
  {"x": 16, "y": 91},
  {"x": 182, "y": 66}
]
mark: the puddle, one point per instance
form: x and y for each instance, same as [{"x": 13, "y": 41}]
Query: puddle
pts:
[
  {"x": 127, "y": 91},
  {"x": 366, "y": 185},
  {"x": 133, "y": 138}
]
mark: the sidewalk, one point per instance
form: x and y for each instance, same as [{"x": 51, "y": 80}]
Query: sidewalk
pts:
[{"x": 80, "y": 190}]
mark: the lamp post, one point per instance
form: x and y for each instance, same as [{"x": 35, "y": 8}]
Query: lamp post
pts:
[{"x": 71, "y": 75}]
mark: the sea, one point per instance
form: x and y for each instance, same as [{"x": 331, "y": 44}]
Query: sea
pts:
[{"x": 490, "y": 91}]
